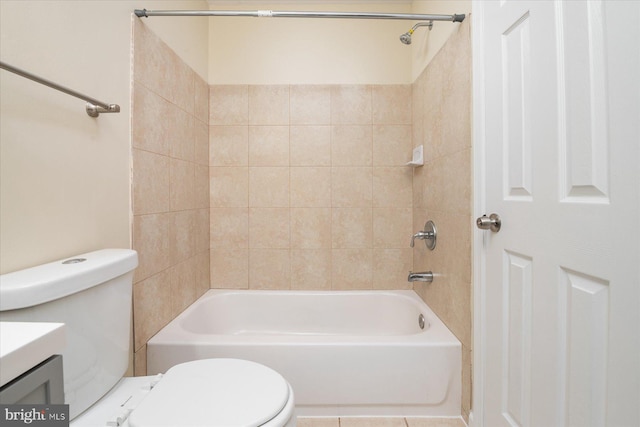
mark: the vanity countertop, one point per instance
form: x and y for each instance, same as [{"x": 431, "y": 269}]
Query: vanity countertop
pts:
[{"x": 24, "y": 345}]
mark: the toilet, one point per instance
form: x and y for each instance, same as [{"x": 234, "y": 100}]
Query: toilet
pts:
[{"x": 91, "y": 294}]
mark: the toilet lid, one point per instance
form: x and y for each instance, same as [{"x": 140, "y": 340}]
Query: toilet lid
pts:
[{"x": 213, "y": 392}]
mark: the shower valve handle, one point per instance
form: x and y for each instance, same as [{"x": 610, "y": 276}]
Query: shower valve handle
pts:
[{"x": 428, "y": 235}]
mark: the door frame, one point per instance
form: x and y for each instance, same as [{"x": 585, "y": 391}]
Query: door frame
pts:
[{"x": 476, "y": 414}]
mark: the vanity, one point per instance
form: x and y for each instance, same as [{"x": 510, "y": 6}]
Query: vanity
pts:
[{"x": 30, "y": 363}]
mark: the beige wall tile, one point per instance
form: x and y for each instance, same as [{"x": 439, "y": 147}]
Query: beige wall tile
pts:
[
  {"x": 268, "y": 145},
  {"x": 351, "y": 145},
  {"x": 351, "y": 104},
  {"x": 201, "y": 183},
  {"x": 392, "y": 227},
  {"x": 201, "y": 145},
  {"x": 149, "y": 57},
  {"x": 229, "y": 268},
  {"x": 181, "y": 134},
  {"x": 182, "y": 184},
  {"x": 419, "y": 187},
  {"x": 310, "y": 104},
  {"x": 229, "y": 228},
  {"x": 228, "y": 146},
  {"x": 229, "y": 187},
  {"x": 269, "y": 228},
  {"x": 201, "y": 230},
  {"x": 310, "y": 145},
  {"x": 203, "y": 277},
  {"x": 151, "y": 307},
  {"x": 391, "y": 104},
  {"x": 351, "y": 228},
  {"x": 181, "y": 235},
  {"x": 179, "y": 86},
  {"x": 150, "y": 182},
  {"x": 310, "y": 187},
  {"x": 150, "y": 129},
  {"x": 392, "y": 187},
  {"x": 269, "y": 105},
  {"x": 310, "y": 228},
  {"x": 269, "y": 269},
  {"x": 229, "y": 105},
  {"x": 449, "y": 183},
  {"x": 151, "y": 241},
  {"x": 351, "y": 269},
  {"x": 392, "y": 145},
  {"x": 311, "y": 269},
  {"x": 391, "y": 268},
  {"x": 269, "y": 187},
  {"x": 351, "y": 187},
  {"x": 183, "y": 285},
  {"x": 201, "y": 99}
]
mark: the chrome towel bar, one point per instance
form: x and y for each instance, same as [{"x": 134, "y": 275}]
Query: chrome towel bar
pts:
[{"x": 93, "y": 108}]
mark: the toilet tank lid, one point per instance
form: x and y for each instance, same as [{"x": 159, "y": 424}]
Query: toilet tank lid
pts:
[{"x": 48, "y": 282}]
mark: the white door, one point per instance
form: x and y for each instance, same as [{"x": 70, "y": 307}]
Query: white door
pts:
[{"x": 557, "y": 119}]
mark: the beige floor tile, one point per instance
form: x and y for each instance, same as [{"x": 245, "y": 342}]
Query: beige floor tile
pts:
[
  {"x": 435, "y": 422},
  {"x": 318, "y": 422},
  {"x": 372, "y": 422}
]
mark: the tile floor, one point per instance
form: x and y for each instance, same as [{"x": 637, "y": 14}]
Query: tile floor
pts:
[{"x": 380, "y": 422}]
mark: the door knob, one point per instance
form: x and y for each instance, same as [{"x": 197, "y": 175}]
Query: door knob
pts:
[{"x": 491, "y": 222}]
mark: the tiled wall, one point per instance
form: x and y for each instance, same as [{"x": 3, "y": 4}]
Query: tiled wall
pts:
[
  {"x": 442, "y": 189},
  {"x": 170, "y": 187},
  {"x": 308, "y": 186}
]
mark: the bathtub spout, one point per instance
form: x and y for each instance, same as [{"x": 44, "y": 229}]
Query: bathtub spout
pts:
[{"x": 425, "y": 276}]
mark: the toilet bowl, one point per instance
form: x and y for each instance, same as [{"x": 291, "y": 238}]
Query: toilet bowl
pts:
[
  {"x": 209, "y": 392},
  {"x": 84, "y": 292}
]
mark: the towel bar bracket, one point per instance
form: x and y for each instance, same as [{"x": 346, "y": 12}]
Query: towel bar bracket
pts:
[{"x": 95, "y": 110}]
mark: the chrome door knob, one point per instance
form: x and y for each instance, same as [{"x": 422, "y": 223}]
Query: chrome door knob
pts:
[{"x": 491, "y": 222}]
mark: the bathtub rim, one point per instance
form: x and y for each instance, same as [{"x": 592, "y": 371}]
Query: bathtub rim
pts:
[{"x": 438, "y": 334}]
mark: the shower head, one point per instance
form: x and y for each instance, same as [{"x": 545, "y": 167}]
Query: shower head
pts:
[{"x": 406, "y": 37}]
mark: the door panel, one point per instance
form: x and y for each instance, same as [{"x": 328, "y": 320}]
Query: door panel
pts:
[{"x": 558, "y": 338}]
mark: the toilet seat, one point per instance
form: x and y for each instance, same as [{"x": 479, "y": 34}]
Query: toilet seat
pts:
[{"x": 216, "y": 392}]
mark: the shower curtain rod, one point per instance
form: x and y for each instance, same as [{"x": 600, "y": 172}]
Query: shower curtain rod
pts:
[{"x": 140, "y": 13}]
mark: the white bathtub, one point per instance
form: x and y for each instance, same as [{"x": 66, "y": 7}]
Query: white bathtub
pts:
[{"x": 345, "y": 353}]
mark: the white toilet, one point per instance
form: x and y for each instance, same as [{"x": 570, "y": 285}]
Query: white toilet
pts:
[{"x": 91, "y": 294}]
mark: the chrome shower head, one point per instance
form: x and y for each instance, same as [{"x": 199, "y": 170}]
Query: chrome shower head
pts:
[{"x": 406, "y": 37}]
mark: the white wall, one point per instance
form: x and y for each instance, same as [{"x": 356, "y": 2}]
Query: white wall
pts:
[{"x": 65, "y": 177}]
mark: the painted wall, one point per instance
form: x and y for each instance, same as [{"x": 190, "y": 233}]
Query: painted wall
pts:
[
  {"x": 65, "y": 177},
  {"x": 308, "y": 51},
  {"x": 324, "y": 51}
]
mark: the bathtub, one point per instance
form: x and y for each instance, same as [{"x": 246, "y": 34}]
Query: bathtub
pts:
[{"x": 345, "y": 353}]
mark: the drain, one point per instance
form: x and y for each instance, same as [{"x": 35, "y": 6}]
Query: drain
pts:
[
  {"x": 74, "y": 261},
  {"x": 421, "y": 321}
]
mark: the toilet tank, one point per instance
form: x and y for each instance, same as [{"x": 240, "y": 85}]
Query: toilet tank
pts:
[{"x": 90, "y": 294}]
